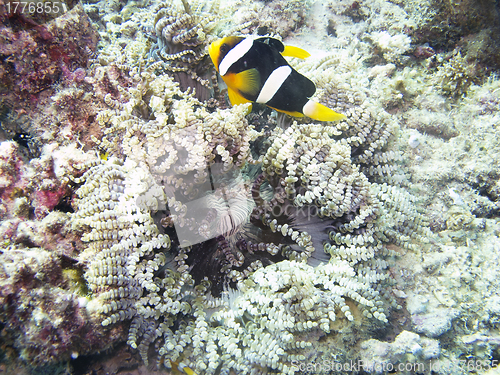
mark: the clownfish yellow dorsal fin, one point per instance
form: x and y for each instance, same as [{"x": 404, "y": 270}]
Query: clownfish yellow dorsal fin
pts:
[
  {"x": 292, "y": 51},
  {"x": 319, "y": 112}
]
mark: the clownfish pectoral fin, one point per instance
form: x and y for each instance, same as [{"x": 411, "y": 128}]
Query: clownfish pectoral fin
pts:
[
  {"x": 235, "y": 98},
  {"x": 319, "y": 112},
  {"x": 247, "y": 81},
  {"x": 292, "y": 51}
]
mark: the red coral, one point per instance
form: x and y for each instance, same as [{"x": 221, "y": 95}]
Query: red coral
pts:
[{"x": 46, "y": 200}]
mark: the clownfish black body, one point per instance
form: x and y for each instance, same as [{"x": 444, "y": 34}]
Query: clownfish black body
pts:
[{"x": 256, "y": 71}]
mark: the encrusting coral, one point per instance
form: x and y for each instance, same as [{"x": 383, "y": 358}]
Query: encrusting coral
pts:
[
  {"x": 35, "y": 56},
  {"x": 43, "y": 311}
]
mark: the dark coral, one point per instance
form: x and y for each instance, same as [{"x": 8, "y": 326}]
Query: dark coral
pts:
[
  {"x": 471, "y": 25},
  {"x": 35, "y": 56},
  {"x": 181, "y": 40}
]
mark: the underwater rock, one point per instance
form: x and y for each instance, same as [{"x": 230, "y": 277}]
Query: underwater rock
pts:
[
  {"x": 45, "y": 320},
  {"x": 435, "y": 323},
  {"x": 43, "y": 314},
  {"x": 444, "y": 23},
  {"x": 407, "y": 349},
  {"x": 431, "y": 123}
]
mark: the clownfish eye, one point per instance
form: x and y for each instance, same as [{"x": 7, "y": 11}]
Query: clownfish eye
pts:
[{"x": 224, "y": 48}]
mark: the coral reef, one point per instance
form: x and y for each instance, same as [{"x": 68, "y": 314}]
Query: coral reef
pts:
[
  {"x": 35, "y": 56},
  {"x": 34, "y": 314},
  {"x": 456, "y": 76},
  {"x": 443, "y": 24},
  {"x": 42, "y": 291},
  {"x": 408, "y": 351},
  {"x": 180, "y": 220},
  {"x": 140, "y": 214},
  {"x": 278, "y": 17},
  {"x": 43, "y": 95}
]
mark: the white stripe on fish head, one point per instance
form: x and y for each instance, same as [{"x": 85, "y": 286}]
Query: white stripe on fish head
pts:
[{"x": 236, "y": 53}]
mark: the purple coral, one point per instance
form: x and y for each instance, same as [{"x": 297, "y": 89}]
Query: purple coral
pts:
[
  {"x": 43, "y": 312},
  {"x": 45, "y": 321}
]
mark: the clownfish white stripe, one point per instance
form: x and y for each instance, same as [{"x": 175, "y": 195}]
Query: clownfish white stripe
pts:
[
  {"x": 309, "y": 108},
  {"x": 234, "y": 55},
  {"x": 273, "y": 83}
]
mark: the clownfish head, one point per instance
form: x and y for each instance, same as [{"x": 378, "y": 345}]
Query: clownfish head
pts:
[{"x": 220, "y": 48}]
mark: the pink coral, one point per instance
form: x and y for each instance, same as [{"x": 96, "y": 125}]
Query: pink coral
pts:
[{"x": 47, "y": 200}]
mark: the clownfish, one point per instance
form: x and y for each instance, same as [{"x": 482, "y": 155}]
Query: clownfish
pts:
[{"x": 255, "y": 70}]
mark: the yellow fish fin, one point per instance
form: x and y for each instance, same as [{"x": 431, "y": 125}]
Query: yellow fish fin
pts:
[
  {"x": 235, "y": 98},
  {"x": 319, "y": 112},
  {"x": 247, "y": 81},
  {"x": 291, "y": 113},
  {"x": 186, "y": 369},
  {"x": 292, "y": 51}
]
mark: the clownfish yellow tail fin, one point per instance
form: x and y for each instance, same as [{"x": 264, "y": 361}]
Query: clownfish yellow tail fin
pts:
[
  {"x": 295, "y": 52},
  {"x": 319, "y": 112}
]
